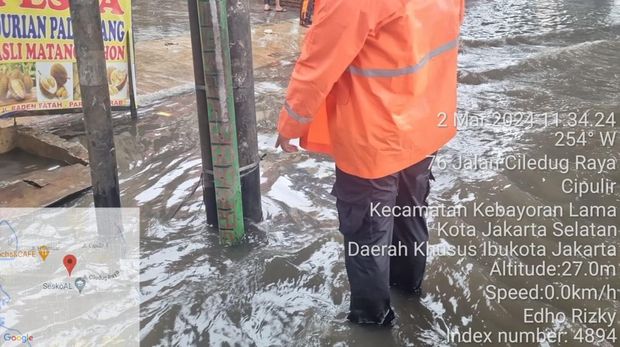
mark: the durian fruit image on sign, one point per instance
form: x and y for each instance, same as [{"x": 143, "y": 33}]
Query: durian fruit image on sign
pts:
[
  {"x": 17, "y": 81},
  {"x": 55, "y": 81},
  {"x": 48, "y": 86},
  {"x": 118, "y": 80}
]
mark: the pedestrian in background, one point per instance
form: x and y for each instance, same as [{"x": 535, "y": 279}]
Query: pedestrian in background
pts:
[{"x": 278, "y": 7}]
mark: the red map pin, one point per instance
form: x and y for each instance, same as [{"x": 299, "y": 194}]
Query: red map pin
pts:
[{"x": 70, "y": 261}]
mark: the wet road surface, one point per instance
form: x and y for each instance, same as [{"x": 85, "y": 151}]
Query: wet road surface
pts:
[
  {"x": 287, "y": 286},
  {"x": 18, "y": 162}
]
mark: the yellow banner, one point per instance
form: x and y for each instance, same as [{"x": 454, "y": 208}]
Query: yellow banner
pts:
[{"x": 38, "y": 69}]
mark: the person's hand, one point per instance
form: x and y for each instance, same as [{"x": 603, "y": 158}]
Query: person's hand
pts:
[{"x": 285, "y": 144}]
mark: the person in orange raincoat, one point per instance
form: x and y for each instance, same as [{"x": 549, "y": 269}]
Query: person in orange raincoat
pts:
[{"x": 375, "y": 88}]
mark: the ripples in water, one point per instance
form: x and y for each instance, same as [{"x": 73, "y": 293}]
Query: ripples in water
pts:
[{"x": 287, "y": 285}]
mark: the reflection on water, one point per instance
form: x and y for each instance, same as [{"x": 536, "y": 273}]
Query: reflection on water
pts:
[
  {"x": 158, "y": 19},
  {"x": 287, "y": 286}
]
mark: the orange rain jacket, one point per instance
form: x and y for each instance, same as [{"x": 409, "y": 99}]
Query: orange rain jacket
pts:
[{"x": 375, "y": 84}]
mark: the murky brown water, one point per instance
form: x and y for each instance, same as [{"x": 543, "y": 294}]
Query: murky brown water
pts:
[
  {"x": 287, "y": 286},
  {"x": 18, "y": 162},
  {"x": 160, "y": 19}
]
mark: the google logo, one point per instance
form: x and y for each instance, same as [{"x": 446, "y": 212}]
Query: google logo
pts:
[{"x": 18, "y": 338}]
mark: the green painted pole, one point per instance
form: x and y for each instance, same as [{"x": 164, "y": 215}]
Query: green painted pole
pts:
[
  {"x": 208, "y": 186},
  {"x": 215, "y": 41}
]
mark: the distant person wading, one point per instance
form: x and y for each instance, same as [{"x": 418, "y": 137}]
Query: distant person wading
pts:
[
  {"x": 375, "y": 88},
  {"x": 278, "y": 7}
]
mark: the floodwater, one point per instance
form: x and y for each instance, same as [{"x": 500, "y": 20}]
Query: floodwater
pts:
[
  {"x": 287, "y": 285},
  {"x": 159, "y": 19},
  {"x": 164, "y": 19},
  {"x": 18, "y": 162}
]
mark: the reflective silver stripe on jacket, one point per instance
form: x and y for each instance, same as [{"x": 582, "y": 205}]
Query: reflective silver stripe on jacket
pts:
[
  {"x": 405, "y": 70},
  {"x": 296, "y": 116}
]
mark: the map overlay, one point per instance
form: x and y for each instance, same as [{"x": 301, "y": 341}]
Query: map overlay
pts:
[{"x": 69, "y": 277}]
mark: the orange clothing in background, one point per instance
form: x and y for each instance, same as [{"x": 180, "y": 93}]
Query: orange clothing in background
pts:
[{"x": 375, "y": 84}]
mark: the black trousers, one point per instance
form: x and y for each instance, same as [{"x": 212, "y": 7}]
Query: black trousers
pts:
[{"x": 372, "y": 266}]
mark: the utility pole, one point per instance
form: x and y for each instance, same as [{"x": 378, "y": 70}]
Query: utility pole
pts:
[
  {"x": 88, "y": 40},
  {"x": 215, "y": 46},
  {"x": 203, "y": 116},
  {"x": 245, "y": 107}
]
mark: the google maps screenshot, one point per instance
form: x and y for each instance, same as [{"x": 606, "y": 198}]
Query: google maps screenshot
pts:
[{"x": 438, "y": 173}]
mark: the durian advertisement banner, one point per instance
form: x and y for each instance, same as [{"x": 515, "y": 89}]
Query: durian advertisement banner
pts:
[{"x": 38, "y": 69}]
